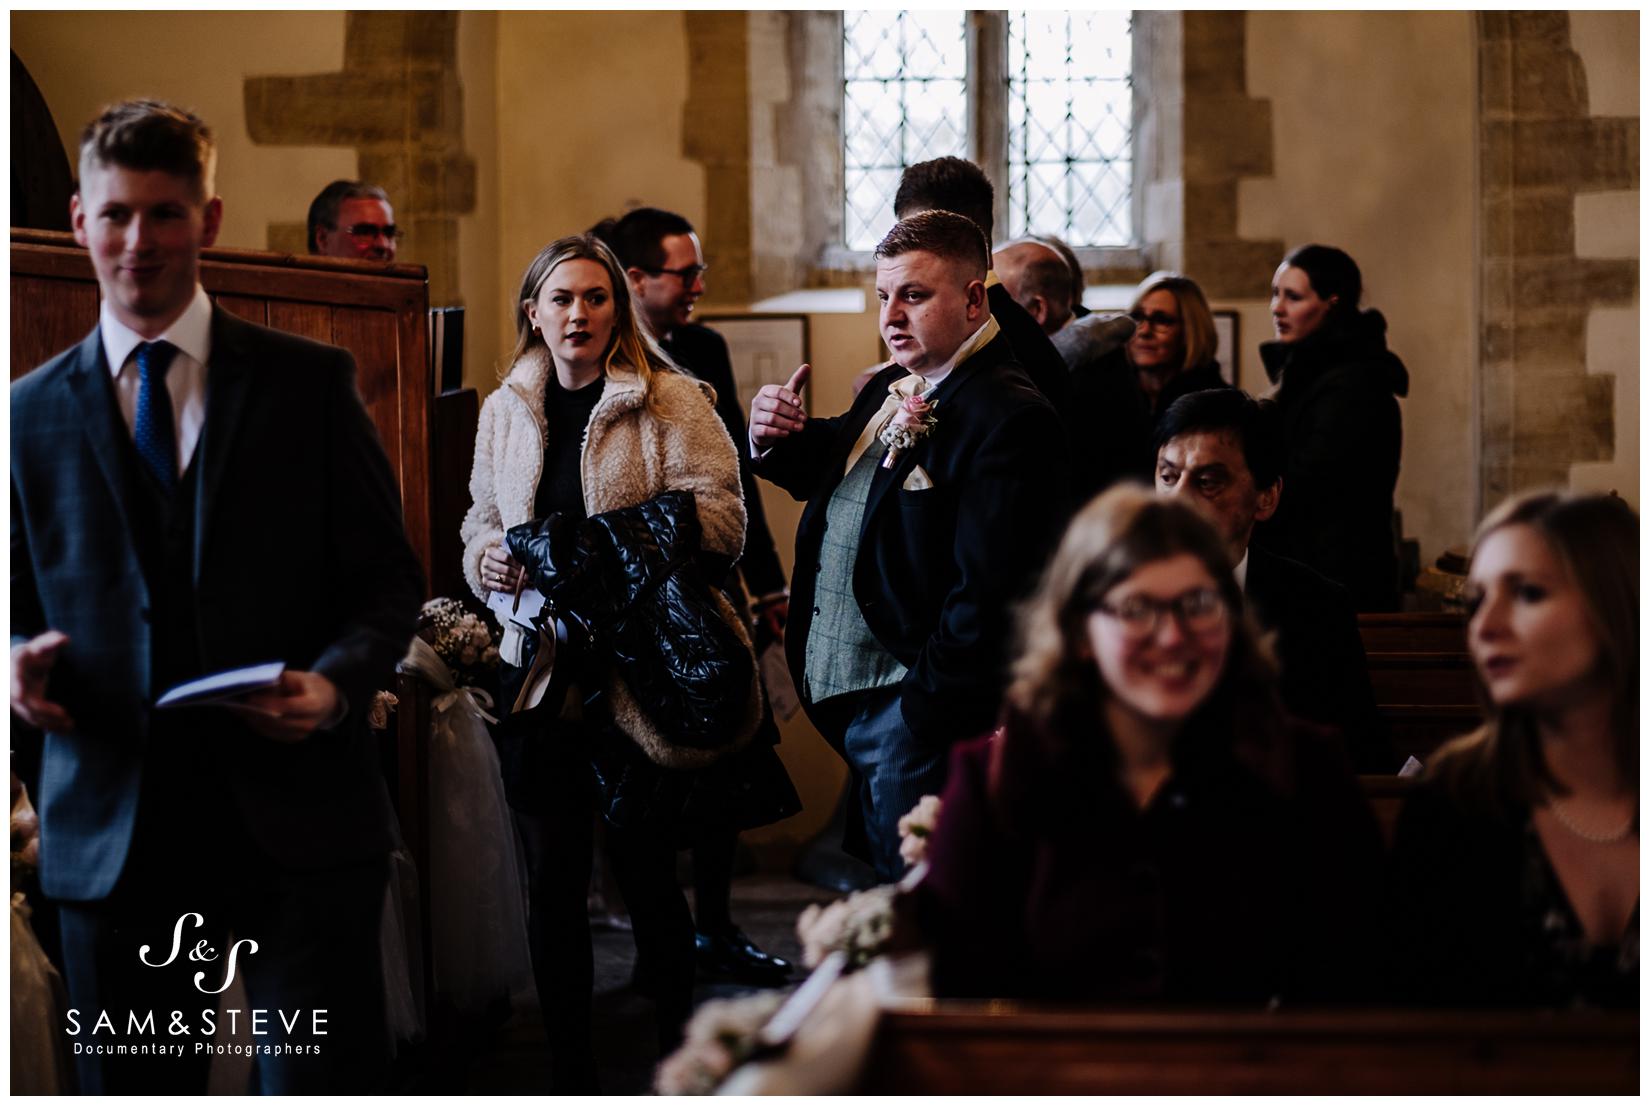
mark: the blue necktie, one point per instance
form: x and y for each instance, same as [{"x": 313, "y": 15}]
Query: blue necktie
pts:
[{"x": 153, "y": 430}]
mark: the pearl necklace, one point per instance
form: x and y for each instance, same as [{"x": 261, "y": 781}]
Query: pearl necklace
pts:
[{"x": 1608, "y": 838}]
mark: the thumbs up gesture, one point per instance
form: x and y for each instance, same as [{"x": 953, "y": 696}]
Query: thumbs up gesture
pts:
[{"x": 776, "y": 411}]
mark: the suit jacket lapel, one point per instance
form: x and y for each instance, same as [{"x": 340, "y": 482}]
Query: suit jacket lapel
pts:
[
  {"x": 228, "y": 382},
  {"x": 893, "y": 477},
  {"x": 91, "y": 384}
]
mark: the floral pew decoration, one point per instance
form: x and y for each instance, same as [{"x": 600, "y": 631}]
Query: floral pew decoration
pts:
[{"x": 837, "y": 938}]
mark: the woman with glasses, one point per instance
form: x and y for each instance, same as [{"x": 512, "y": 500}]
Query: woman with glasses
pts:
[
  {"x": 1515, "y": 867},
  {"x": 1171, "y": 353},
  {"x": 1146, "y": 824},
  {"x": 1337, "y": 389}
]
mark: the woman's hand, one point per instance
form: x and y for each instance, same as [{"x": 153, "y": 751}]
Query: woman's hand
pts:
[{"x": 500, "y": 571}]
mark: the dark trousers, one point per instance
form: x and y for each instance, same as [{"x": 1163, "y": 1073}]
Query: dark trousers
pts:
[
  {"x": 317, "y": 949},
  {"x": 558, "y": 843},
  {"x": 893, "y": 773}
]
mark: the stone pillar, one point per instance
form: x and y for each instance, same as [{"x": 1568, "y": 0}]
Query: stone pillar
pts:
[
  {"x": 397, "y": 101},
  {"x": 1539, "y": 148},
  {"x": 1198, "y": 132}
]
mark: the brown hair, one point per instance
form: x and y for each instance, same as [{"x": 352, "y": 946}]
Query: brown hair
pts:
[
  {"x": 1055, "y": 695},
  {"x": 1596, "y": 539},
  {"x": 631, "y": 343},
  {"x": 151, "y": 134},
  {"x": 1197, "y": 323},
  {"x": 942, "y": 233}
]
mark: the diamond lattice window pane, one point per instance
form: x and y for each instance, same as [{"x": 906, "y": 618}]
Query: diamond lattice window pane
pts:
[
  {"x": 1069, "y": 146},
  {"x": 904, "y": 100}
]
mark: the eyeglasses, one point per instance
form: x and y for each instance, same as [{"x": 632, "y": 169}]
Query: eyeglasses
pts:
[
  {"x": 687, "y": 273},
  {"x": 1198, "y": 610},
  {"x": 373, "y": 230},
  {"x": 1157, "y": 318}
]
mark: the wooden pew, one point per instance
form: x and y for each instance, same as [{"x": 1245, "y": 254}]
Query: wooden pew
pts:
[
  {"x": 1422, "y": 674},
  {"x": 1001, "y": 1048}
]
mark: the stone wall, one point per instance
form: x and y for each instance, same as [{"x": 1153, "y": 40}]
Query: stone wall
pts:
[
  {"x": 1543, "y": 156},
  {"x": 398, "y": 104}
]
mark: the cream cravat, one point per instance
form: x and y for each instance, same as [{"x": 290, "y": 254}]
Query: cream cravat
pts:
[{"x": 898, "y": 391}]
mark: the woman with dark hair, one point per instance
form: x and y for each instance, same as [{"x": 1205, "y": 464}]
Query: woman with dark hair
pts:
[
  {"x": 1515, "y": 869},
  {"x": 1146, "y": 824},
  {"x": 1337, "y": 389},
  {"x": 1170, "y": 354},
  {"x": 593, "y": 418}
]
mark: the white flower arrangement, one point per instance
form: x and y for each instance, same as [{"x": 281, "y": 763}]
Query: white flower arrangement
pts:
[
  {"x": 458, "y": 636},
  {"x": 720, "y": 1036},
  {"x": 859, "y": 926},
  {"x": 916, "y": 827}
]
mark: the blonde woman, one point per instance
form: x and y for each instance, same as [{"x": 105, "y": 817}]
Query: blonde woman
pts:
[
  {"x": 591, "y": 418},
  {"x": 1515, "y": 869}
]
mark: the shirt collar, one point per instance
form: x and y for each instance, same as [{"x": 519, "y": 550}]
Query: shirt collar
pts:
[
  {"x": 191, "y": 332},
  {"x": 1241, "y": 572},
  {"x": 975, "y": 342}
]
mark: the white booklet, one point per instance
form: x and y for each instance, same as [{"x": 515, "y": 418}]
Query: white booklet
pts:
[
  {"x": 520, "y": 609},
  {"x": 220, "y": 686}
]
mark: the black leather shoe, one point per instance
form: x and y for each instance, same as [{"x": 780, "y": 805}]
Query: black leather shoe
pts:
[{"x": 729, "y": 954}]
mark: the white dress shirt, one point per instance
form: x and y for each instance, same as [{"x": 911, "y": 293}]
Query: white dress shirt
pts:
[{"x": 185, "y": 380}]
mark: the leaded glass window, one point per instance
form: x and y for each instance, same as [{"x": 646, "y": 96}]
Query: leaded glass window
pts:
[
  {"x": 1070, "y": 167},
  {"x": 905, "y": 100}
]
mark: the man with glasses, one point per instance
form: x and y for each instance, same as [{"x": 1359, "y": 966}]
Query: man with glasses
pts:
[
  {"x": 351, "y": 218},
  {"x": 666, "y": 266}
]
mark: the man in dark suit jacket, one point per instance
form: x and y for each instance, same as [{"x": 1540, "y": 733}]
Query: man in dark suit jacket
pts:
[
  {"x": 956, "y": 185},
  {"x": 190, "y": 494},
  {"x": 1219, "y": 449},
  {"x": 931, "y": 506}
]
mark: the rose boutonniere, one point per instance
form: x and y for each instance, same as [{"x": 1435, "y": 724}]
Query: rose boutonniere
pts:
[{"x": 913, "y": 422}]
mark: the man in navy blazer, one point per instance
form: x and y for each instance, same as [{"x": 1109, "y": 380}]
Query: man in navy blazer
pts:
[
  {"x": 915, "y": 545},
  {"x": 192, "y": 493}
]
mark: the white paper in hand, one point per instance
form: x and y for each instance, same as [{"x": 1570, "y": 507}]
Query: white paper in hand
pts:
[
  {"x": 219, "y": 686},
  {"x": 520, "y": 609}
]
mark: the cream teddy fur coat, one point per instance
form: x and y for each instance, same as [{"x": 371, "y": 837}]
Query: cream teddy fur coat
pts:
[{"x": 628, "y": 457}]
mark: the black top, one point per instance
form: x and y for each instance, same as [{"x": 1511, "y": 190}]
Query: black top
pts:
[
  {"x": 1121, "y": 420},
  {"x": 1324, "y": 675},
  {"x": 566, "y": 417},
  {"x": 1477, "y": 916},
  {"x": 704, "y": 353},
  {"x": 1223, "y": 889},
  {"x": 1337, "y": 397}
]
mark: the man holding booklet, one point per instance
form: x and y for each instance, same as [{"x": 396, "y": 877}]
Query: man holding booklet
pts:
[{"x": 194, "y": 495}]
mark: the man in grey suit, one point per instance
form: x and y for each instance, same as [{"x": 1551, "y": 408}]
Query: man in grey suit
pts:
[{"x": 192, "y": 493}]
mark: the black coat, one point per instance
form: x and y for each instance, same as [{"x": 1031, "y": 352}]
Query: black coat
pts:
[
  {"x": 704, "y": 353},
  {"x": 1035, "y": 352},
  {"x": 1337, "y": 396},
  {"x": 938, "y": 569},
  {"x": 1325, "y": 675},
  {"x": 1120, "y": 419}
]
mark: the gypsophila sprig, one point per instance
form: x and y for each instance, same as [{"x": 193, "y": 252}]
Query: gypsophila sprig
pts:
[
  {"x": 720, "y": 1036},
  {"x": 859, "y": 925},
  {"x": 459, "y": 638}
]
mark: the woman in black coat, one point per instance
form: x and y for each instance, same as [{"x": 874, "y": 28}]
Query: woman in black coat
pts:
[{"x": 1337, "y": 389}]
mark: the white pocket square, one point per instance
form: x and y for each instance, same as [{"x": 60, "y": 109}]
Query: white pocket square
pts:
[{"x": 918, "y": 480}]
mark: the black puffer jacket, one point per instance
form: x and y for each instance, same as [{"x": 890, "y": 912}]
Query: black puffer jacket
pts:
[
  {"x": 1337, "y": 393},
  {"x": 636, "y": 577}
]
